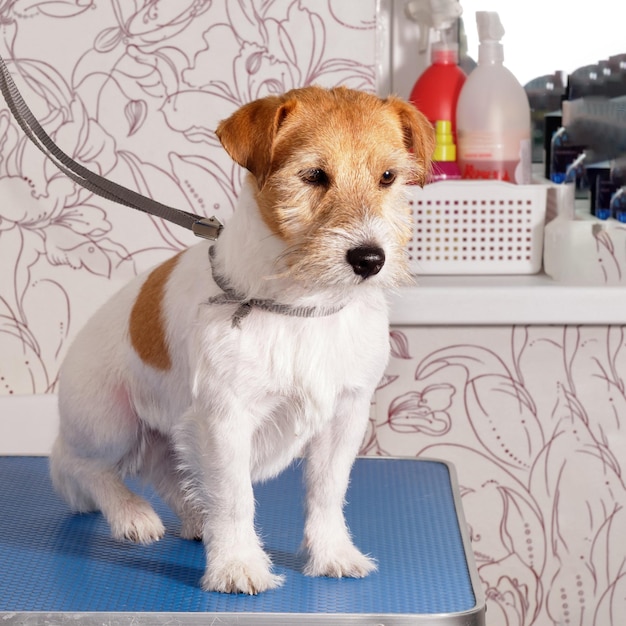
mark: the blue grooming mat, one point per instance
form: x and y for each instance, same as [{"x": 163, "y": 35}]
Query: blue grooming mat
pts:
[{"x": 60, "y": 568}]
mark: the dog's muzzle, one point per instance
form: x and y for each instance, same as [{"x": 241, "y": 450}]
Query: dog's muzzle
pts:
[{"x": 366, "y": 261}]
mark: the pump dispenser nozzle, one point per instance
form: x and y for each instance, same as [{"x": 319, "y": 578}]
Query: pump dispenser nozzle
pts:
[
  {"x": 437, "y": 20},
  {"x": 489, "y": 26},
  {"x": 490, "y": 33}
]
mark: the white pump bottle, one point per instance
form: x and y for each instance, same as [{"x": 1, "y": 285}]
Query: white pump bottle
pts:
[{"x": 493, "y": 115}]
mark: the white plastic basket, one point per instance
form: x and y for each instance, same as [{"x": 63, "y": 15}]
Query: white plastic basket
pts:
[{"x": 477, "y": 227}]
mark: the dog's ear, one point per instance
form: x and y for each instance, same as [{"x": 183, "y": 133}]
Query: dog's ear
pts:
[
  {"x": 248, "y": 135},
  {"x": 419, "y": 137}
]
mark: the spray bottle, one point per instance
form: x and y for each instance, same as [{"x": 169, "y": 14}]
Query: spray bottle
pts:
[
  {"x": 437, "y": 90},
  {"x": 493, "y": 115}
]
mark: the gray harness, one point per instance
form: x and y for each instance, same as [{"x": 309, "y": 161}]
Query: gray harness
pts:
[{"x": 231, "y": 296}]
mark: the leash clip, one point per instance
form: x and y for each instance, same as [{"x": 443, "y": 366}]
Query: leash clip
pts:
[{"x": 207, "y": 228}]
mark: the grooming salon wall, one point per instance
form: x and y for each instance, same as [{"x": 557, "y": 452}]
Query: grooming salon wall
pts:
[{"x": 532, "y": 416}]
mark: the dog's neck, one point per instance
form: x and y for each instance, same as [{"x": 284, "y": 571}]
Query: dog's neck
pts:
[
  {"x": 247, "y": 256},
  {"x": 245, "y": 305}
]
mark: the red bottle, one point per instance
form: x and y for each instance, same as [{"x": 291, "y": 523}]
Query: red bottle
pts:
[{"x": 437, "y": 90}]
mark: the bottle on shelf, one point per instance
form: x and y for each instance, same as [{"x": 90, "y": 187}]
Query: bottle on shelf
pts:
[
  {"x": 493, "y": 114},
  {"x": 563, "y": 151},
  {"x": 618, "y": 205},
  {"x": 436, "y": 91}
]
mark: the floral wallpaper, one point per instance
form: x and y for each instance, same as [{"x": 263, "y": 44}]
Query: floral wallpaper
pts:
[
  {"x": 532, "y": 417},
  {"x": 533, "y": 420},
  {"x": 133, "y": 90}
]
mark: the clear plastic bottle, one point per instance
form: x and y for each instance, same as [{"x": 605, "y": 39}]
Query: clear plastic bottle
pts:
[
  {"x": 493, "y": 115},
  {"x": 565, "y": 154},
  {"x": 618, "y": 205}
]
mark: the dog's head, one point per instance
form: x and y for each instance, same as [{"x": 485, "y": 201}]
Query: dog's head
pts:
[{"x": 330, "y": 168}]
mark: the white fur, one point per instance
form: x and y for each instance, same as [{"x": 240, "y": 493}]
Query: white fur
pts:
[
  {"x": 236, "y": 407},
  {"x": 231, "y": 403}
]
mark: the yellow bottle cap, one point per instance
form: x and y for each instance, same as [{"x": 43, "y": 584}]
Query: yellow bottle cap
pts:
[{"x": 445, "y": 148}]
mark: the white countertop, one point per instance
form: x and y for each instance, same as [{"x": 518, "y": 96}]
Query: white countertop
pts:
[
  {"x": 496, "y": 300},
  {"x": 491, "y": 300}
]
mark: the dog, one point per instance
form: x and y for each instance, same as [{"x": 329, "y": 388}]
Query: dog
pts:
[{"x": 222, "y": 365}]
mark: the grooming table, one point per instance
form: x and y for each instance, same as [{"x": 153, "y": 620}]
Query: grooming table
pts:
[{"x": 60, "y": 568}]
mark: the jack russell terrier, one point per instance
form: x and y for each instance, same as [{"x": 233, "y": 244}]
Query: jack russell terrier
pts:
[{"x": 217, "y": 368}]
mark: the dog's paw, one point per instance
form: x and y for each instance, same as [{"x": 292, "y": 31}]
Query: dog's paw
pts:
[
  {"x": 339, "y": 562},
  {"x": 237, "y": 576},
  {"x": 136, "y": 521}
]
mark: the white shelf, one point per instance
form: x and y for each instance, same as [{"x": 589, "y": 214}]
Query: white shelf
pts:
[{"x": 497, "y": 300}]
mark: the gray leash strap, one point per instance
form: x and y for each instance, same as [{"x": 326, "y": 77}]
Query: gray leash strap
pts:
[{"x": 205, "y": 227}]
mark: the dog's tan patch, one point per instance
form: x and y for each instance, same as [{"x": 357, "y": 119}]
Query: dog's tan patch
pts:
[{"x": 147, "y": 324}]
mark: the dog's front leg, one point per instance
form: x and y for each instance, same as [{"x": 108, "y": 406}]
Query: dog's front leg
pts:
[
  {"x": 217, "y": 452},
  {"x": 327, "y": 542}
]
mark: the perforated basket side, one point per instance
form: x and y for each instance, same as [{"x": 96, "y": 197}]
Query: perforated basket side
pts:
[{"x": 470, "y": 227}]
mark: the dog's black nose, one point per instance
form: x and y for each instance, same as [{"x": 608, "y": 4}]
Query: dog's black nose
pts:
[{"x": 366, "y": 260}]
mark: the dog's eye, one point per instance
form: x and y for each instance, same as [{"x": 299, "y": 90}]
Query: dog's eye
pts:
[
  {"x": 387, "y": 178},
  {"x": 315, "y": 176}
]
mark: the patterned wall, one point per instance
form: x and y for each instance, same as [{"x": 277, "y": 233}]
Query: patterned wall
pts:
[
  {"x": 532, "y": 417},
  {"x": 133, "y": 90}
]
